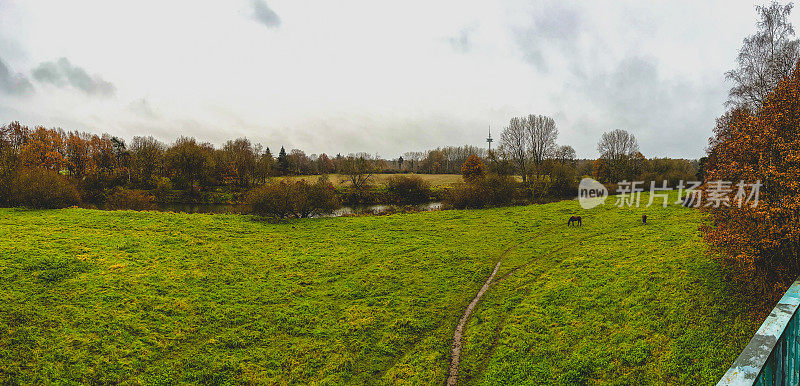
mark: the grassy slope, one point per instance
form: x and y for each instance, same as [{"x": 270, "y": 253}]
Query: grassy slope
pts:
[
  {"x": 612, "y": 302},
  {"x": 148, "y": 297}
]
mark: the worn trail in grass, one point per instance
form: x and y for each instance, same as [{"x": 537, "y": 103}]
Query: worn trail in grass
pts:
[
  {"x": 613, "y": 302},
  {"x": 110, "y": 297},
  {"x": 455, "y": 355}
]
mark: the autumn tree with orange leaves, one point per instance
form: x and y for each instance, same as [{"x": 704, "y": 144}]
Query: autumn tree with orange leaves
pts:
[
  {"x": 761, "y": 242},
  {"x": 473, "y": 169},
  {"x": 44, "y": 149}
]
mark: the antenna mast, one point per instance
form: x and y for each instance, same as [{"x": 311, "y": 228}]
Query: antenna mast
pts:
[{"x": 489, "y": 140}]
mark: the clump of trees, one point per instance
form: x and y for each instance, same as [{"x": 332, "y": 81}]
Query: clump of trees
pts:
[
  {"x": 758, "y": 139},
  {"x": 762, "y": 243},
  {"x": 529, "y": 141},
  {"x": 442, "y": 160},
  {"x": 528, "y": 147},
  {"x": 44, "y": 189},
  {"x": 482, "y": 191},
  {"x": 619, "y": 152},
  {"x": 408, "y": 189},
  {"x": 620, "y": 159},
  {"x": 298, "y": 199},
  {"x": 99, "y": 166}
]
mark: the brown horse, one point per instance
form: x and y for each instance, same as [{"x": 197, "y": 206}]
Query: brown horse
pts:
[{"x": 574, "y": 219}]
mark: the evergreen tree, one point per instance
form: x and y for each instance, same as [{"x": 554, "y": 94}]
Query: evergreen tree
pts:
[{"x": 282, "y": 163}]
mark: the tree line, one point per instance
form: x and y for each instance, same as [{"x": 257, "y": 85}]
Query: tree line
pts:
[
  {"x": 528, "y": 148},
  {"x": 97, "y": 165}
]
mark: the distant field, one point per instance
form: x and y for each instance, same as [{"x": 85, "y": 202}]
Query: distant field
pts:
[
  {"x": 109, "y": 297},
  {"x": 436, "y": 180}
]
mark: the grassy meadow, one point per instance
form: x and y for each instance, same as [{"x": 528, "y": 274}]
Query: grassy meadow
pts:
[{"x": 145, "y": 297}]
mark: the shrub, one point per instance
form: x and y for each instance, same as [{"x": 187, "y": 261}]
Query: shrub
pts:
[
  {"x": 131, "y": 199},
  {"x": 313, "y": 199},
  {"x": 463, "y": 196},
  {"x": 368, "y": 196},
  {"x": 293, "y": 199},
  {"x": 42, "y": 188},
  {"x": 536, "y": 187},
  {"x": 564, "y": 181},
  {"x": 501, "y": 189},
  {"x": 408, "y": 189},
  {"x": 494, "y": 190},
  {"x": 271, "y": 200},
  {"x": 163, "y": 188}
]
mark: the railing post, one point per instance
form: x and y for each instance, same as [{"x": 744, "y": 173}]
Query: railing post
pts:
[{"x": 771, "y": 357}]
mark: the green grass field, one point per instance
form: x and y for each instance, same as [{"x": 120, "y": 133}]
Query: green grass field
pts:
[{"x": 95, "y": 296}]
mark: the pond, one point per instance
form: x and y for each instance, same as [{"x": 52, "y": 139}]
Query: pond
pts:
[{"x": 343, "y": 211}]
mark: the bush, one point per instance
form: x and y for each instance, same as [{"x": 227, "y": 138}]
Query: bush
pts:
[
  {"x": 271, "y": 200},
  {"x": 131, "y": 199},
  {"x": 463, "y": 196},
  {"x": 408, "y": 189},
  {"x": 494, "y": 190},
  {"x": 42, "y": 188},
  {"x": 163, "y": 188},
  {"x": 473, "y": 169},
  {"x": 293, "y": 199},
  {"x": 564, "y": 181},
  {"x": 369, "y": 196},
  {"x": 536, "y": 188},
  {"x": 501, "y": 189}
]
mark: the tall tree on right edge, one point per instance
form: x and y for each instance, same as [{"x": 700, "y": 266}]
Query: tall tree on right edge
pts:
[{"x": 766, "y": 57}]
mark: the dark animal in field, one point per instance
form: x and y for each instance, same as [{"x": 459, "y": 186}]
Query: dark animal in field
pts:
[
  {"x": 574, "y": 219},
  {"x": 644, "y": 219}
]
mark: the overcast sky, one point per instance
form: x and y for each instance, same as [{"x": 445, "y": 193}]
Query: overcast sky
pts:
[{"x": 373, "y": 76}]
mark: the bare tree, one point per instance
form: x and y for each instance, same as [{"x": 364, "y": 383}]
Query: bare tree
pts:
[
  {"x": 359, "y": 169},
  {"x": 514, "y": 141},
  {"x": 765, "y": 58},
  {"x": 618, "y": 147},
  {"x": 564, "y": 154},
  {"x": 414, "y": 158},
  {"x": 542, "y": 134}
]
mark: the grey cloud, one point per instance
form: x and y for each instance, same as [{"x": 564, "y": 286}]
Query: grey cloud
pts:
[
  {"x": 265, "y": 15},
  {"x": 669, "y": 117},
  {"x": 62, "y": 73},
  {"x": 142, "y": 108},
  {"x": 558, "y": 23},
  {"x": 13, "y": 84},
  {"x": 463, "y": 41},
  {"x": 552, "y": 26}
]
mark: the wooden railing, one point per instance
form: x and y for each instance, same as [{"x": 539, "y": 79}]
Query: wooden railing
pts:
[{"x": 773, "y": 355}]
